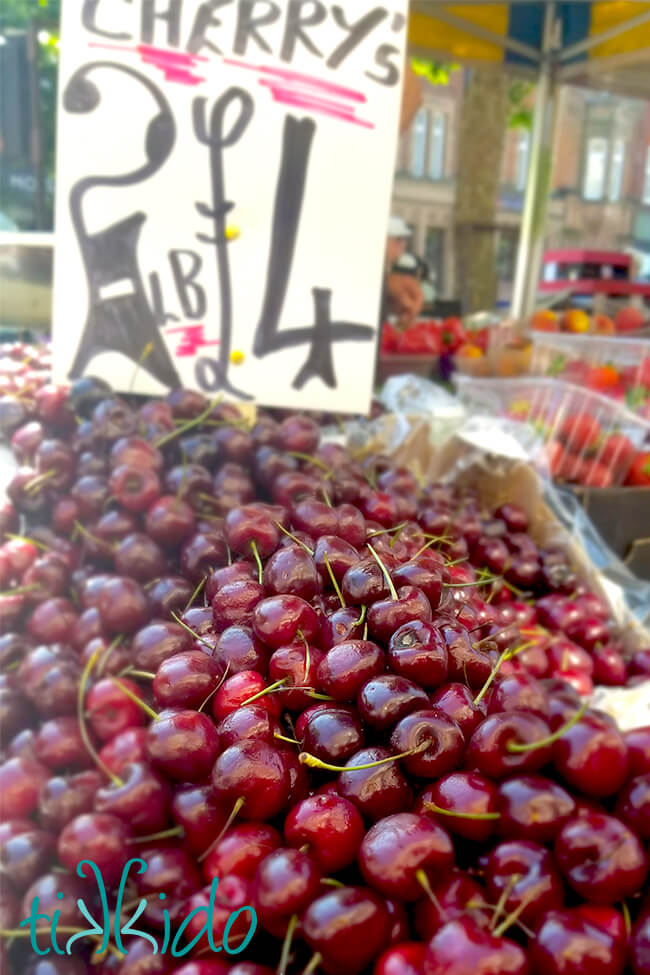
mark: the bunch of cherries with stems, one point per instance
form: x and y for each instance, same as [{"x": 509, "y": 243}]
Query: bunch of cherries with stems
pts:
[{"x": 237, "y": 653}]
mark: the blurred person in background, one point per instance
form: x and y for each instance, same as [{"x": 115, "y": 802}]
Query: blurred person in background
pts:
[{"x": 403, "y": 296}]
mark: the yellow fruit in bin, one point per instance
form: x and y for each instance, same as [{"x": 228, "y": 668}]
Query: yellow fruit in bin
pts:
[
  {"x": 576, "y": 320},
  {"x": 470, "y": 351}
]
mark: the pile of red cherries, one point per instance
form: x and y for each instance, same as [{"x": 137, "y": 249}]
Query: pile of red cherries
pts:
[{"x": 236, "y": 652}]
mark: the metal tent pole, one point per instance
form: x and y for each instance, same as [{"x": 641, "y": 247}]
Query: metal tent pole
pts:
[{"x": 529, "y": 254}]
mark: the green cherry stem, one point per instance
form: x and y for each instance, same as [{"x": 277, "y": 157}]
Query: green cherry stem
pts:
[
  {"x": 461, "y": 815},
  {"x": 313, "y": 964},
  {"x": 515, "y": 746},
  {"x": 495, "y": 670},
  {"x": 163, "y": 835},
  {"x": 423, "y": 881},
  {"x": 278, "y": 685},
  {"x": 294, "y": 538},
  {"x": 189, "y": 425},
  {"x": 258, "y": 561},
  {"x": 195, "y": 594},
  {"x": 286, "y": 945},
  {"x": 312, "y": 762},
  {"x": 215, "y": 689},
  {"x": 386, "y": 574},
  {"x": 224, "y": 829},
  {"x": 335, "y": 584},
  {"x": 136, "y": 700},
  {"x": 81, "y": 717},
  {"x": 197, "y": 636}
]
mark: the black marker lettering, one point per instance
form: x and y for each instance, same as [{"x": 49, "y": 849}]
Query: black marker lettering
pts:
[
  {"x": 89, "y": 21},
  {"x": 293, "y": 31},
  {"x": 194, "y": 303},
  {"x": 160, "y": 313},
  {"x": 357, "y": 32},
  {"x": 392, "y": 70},
  {"x": 171, "y": 15},
  {"x": 248, "y": 22},
  {"x": 296, "y": 148},
  {"x": 205, "y": 19}
]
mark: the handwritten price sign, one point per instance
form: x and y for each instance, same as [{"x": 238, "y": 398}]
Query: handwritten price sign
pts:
[{"x": 223, "y": 183}]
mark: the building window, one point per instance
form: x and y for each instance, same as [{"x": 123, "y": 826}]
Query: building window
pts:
[
  {"x": 646, "y": 182},
  {"x": 521, "y": 164},
  {"x": 616, "y": 167},
  {"x": 436, "y": 145},
  {"x": 595, "y": 171},
  {"x": 419, "y": 144}
]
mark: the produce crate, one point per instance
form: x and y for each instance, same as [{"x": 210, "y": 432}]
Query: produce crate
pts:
[
  {"x": 615, "y": 367},
  {"x": 622, "y": 516},
  {"x": 398, "y": 365},
  {"x": 580, "y": 436}
]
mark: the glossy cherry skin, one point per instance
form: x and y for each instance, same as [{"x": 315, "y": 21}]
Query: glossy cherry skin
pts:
[
  {"x": 170, "y": 593},
  {"x": 234, "y": 603},
  {"x": 488, "y": 752},
  {"x": 247, "y": 722},
  {"x": 182, "y": 745},
  {"x": 122, "y": 605},
  {"x": 533, "y": 807},
  {"x": 186, "y": 679},
  {"x": 238, "y": 649},
  {"x": 638, "y": 745},
  {"x": 345, "y": 669},
  {"x": 332, "y": 733},
  {"x": 46, "y": 888},
  {"x": 376, "y": 792},
  {"x": 297, "y": 665},
  {"x": 456, "y": 896},
  {"x": 462, "y": 792},
  {"x": 255, "y": 772},
  {"x": 403, "y": 958},
  {"x": 592, "y": 756},
  {"x": 276, "y": 621},
  {"x": 518, "y": 692},
  {"x": 99, "y": 837},
  {"x": 338, "y": 553},
  {"x": 538, "y": 884},
  {"x": 21, "y": 780},
  {"x": 170, "y": 870},
  {"x": 128, "y": 746},
  {"x": 170, "y": 521},
  {"x": 292, "y": 570},
  {"x": 640, "y": 944},
  {"x": 25, "y": 856},
  {"x": 285, "y": 883},
  {"x": 232, "y": 899},
  {"x": 461, "y": 947},
  {"x": 348, "y": 927},
  {"x": 240, "y": 851},
  {"x": 62, "y": 798},
  {"x": 384, "y": 699},
  {"x": 633, "y": 805},
  {"x": 602, "y": 858},
  {"x": 142, "y": 799},
  {"x": 58, "y": 745},
  {"x": 364, "y": 583},
  {"x": 387, "y": 615},
  {"x": 195, "y": 809},
  {"x": 397, "y": 847},
  {"x": 568, "y": 944},
  {"x": 457, "y": 701},
  {"x": 238, "y": 690},
  {"x": 110, "y": 710},
  {"x": 330, "y": 826},
  {"x": 418, "y": 652},
  {"x": 445, "y": 748}
]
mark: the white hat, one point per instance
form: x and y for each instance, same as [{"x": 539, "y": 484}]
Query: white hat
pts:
[
  {"x": 398, "y": 227},
  {"x": 407, "y": 262}
]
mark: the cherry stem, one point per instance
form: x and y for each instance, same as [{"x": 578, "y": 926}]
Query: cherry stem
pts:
[
  {"x": 188, "y": 425},
  {"x": 61, "y": 929},
  {"x": 510, "y": 920},
  {"x": 19, "y": 590},
  {"x": 505, "y": 894},
  {"x": 280, "y": 737},
  {"x": 520, "y": 649},
  {"x": 462, "y": 815},
  {"x": 197, "y": 636},
  {"x": 144, "y": 355},
  {"x": 129, "y": 672},
  {"x": 389, "y": 581},
  {"x": 423, "y": 881},
  {"x": 362, "y": 616},
  {"x": 495, "y": 670},
  {"x": 286, "y": 945},
  {"x": 224, "y": 829},
  {"x": 627, "y": 920},
  {"x": 312, "y": 762},
  {"x": 37, "y": 482},
  {"x": 195, "y": 594},
  {"x": 331, "y": 882},
  {"x": 310, "y": 460},
  {"x": 256, "y": 556},
  {"x": 215, "y": 689},
  {"x": 313, "y": 964},
  {"x": 326, "y": 498},
  {"x": 106, "y": 656},
  {"x": 163, "y": 835},
  {"x": 25, "y": 538},
  {"x": 136, "y": 700},
  {"x": 387, "y": 531},
  {"x": 294, "y": 538},
  {"x": 515, "y": 746},
  {"x": 335, "y": 584},
  {"x": 468, "y": 585},
  {"x": 92, "y": 538},
  {"x": 85, "y": 737},
  {"x": 267, "y": 690}
]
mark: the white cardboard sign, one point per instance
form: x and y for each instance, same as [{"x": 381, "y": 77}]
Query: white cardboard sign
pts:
[{"x": 223, "y": 183}]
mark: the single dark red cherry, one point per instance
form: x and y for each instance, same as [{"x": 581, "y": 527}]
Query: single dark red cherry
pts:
[
  {"x": 495, "y": 748},
  {"x": 525, "y": 873},
  {"x": 240, "y": 851},
  {"x": 633, "y": 805},
  {"x": 457, "y": 702},
  {"x": 110, "y": 710},
  {"x": 378, "y": 791},
  {"x": 399, "y": 850},
  {"x": 331, "y": 732},
  {"x": 403, "y": 958},
  {"x": 418, "y": 652},
  {"x": 128, "y": 746},
  {"x": 533, "y": 807},
  {"x": 602, "y": 858},
  {"x": 330, "y": 826},
  {"x": 462, "y": 947},
  {"x": 568, "y": 944},
  {"x": 436, "y": 741},
  {"x": 195, "y": 809},
  {"x": 285, "y": 883},
  {"x": 239, "y": 649},
  {"x": 141, "y": 798},
  {"x": 99, "y": 837},
  {"x": 186, "y": 680},
  {"x": 592, "y": 756},
  {"x": 348, "y": 927},
  {"x": 157, "y": 641},
  {"x": 384, "y": 699},
  {"x": 465, "y": 803},
  {"x": 345, "y": 669},
  {"x": 21, "y": 780},
  {"x": 182, "y": 744},
  {"x": 456, "y": 896},
  {"x": 252, "y": 771},
  {"x": 387, "y": 615}
]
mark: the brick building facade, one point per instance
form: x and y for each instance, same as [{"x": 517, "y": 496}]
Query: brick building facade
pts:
[{"x": 600, "y": 186}]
